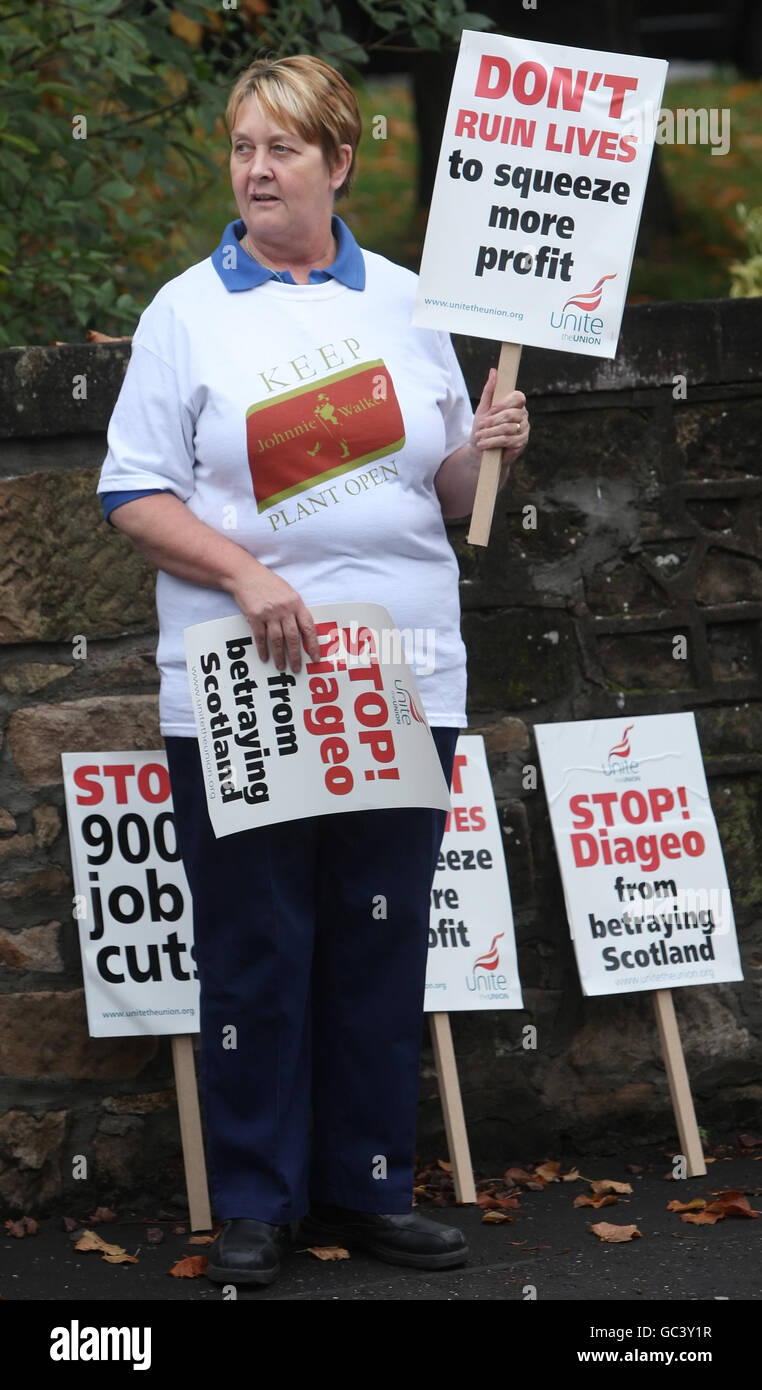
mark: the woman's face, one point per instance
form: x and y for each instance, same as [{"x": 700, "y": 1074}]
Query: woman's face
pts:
[{"x": 282, "y": 184}]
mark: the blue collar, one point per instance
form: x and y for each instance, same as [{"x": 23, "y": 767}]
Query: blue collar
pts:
[{"x": 238, "y": 271}]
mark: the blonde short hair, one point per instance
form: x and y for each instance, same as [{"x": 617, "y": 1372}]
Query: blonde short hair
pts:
[{"x": 307, "y": 96}]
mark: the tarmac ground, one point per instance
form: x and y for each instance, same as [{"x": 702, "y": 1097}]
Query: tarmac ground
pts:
[{"x": 544, "y": 1251}]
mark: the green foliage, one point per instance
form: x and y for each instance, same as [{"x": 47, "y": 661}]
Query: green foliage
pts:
[
  {"x": 390, "y": 26},
  {"x": 97, "y": 94},
  {"x": 746, "y": 282},
  {"x": 103, "y": 137}
]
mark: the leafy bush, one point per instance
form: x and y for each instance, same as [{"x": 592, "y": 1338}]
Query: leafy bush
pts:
[
  {"x": 746, "y": 275},
  {"x": 98, "y": 95},
  {"x": 104, "y": 135}
]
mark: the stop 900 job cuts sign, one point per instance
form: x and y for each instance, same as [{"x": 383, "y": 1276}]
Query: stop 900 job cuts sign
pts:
[
  {"x": 538, "y": 193},
  {"x": 133, "y": 903}
]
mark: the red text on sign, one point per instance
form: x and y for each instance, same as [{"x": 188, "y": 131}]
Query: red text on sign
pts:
[
  {"x": 531, "y": 83},
  {"x": 152, "y": 782}
]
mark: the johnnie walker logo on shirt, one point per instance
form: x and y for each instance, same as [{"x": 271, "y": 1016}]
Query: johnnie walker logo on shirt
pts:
[{"x": 316, "y": 432}]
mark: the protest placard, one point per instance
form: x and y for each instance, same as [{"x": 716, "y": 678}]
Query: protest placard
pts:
[
  {"x": 132, "y": 900},
  {"x": 472, "y": 960},
  {"x": 643, "y": 873},
  {"x": 538, "y": 193},
  {"x": 536, "y": 204},
  {"x": 347, "y": 733}
]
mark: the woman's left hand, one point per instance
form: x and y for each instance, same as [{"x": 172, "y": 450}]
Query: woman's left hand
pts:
[{"x": 501, "y": 424}]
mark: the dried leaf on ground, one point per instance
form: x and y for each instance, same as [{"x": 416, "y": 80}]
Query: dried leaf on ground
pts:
[
  {"x": 444, "y": 1165},
  {"x": 201, "y": 1240},
  {"x": 328, "y": 1252},
  {"x": 488, "y": 1203},
  {"x": 608, "y": 1185},
  {"x": 598, "y": 1199},
  {"x": 573, "y": 1175},
  {"x": 733, "y": 1203},
  {"x": 103, "y": 1214},
  {"x": 519, "y": 1175},
  {"x": 702, "y": 1218},
  {"x": 614, "y": 1235},
  {"x": 493, "y": 1218},
  {"x": 749, "y": 1141},
  {"x": 189, "y": 1268},
  {"x": 70, "y": 1223},
  {"x": 154, "y": 1235},
  {"x": 116, "y": 1254},
  {"x": 434, "y": 1182},
  {"x": 696, "y": 1204},
  {"x": 549, "y": 1172},
  {"x": 25, "y": 1226},
  {"x": 741, "y": 1208},
  {"x": 179, "y": 1230},
  {"x": 90, "y": 1241}
]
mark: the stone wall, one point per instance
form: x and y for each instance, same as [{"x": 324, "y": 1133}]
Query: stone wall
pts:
[{"x": 647, "y": 498}]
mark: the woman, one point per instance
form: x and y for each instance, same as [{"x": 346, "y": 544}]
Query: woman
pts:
[{"x": 285, "y": 438}]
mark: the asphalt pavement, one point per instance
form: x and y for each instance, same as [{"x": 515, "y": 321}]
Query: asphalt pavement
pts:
[{"x": 546, "y": 1250}]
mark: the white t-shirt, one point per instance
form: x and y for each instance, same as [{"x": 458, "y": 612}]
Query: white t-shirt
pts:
[{"x": 306, "y": 423}]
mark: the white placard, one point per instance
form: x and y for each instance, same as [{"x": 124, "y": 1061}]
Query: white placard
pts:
[
  {"x": 472, "y": 949},
  {"x": 644, "y": 877},
  {"x": 132, "y": 901},
  {"x": 348, "y": 733},
  {"x": 538, "y": 193}
]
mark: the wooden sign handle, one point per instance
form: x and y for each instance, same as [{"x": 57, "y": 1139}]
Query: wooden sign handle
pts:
[
  {"x": 190, "y": 1132},
  {"x": 452, "y": 1108},
  {"x": 679, "y": 1086},
  {"x": 489, "y": 473}
]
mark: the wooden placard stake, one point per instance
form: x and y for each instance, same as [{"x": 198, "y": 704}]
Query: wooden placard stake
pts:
[
  {"x": 489, "y": 472},
  {"x": 190, "y": 1132},
  {"x": 452, "y": 1108},
  {"x": 679, "y": 1086}
]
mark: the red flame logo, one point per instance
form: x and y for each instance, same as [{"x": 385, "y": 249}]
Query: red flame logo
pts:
[
  {"x": 592, "y": 299},
  {"x": 622, "y": 749},
  {"x": 416, "y": 713},
  {"x": 491, "y": 959}
]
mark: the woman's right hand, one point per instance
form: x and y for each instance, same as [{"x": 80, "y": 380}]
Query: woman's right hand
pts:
[
  {"x": 278, "y": 618},
  {"x": 169, "y": 536}
]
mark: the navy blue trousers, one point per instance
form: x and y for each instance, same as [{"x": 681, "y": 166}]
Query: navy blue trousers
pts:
[{"x": 311, "y": 941}]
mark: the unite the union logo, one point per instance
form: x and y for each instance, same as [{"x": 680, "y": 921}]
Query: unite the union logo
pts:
[
  {"x": 619, "y": 763},
  {"x": 490, "y": 982},
  {"x": 584, "y": 325},
  {"x": 491, "y": 958}
]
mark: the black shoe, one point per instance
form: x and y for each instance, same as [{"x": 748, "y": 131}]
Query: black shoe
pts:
[
  {"x": 404, "y": 1238},
  {"x": 247, "y": 1252}
]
